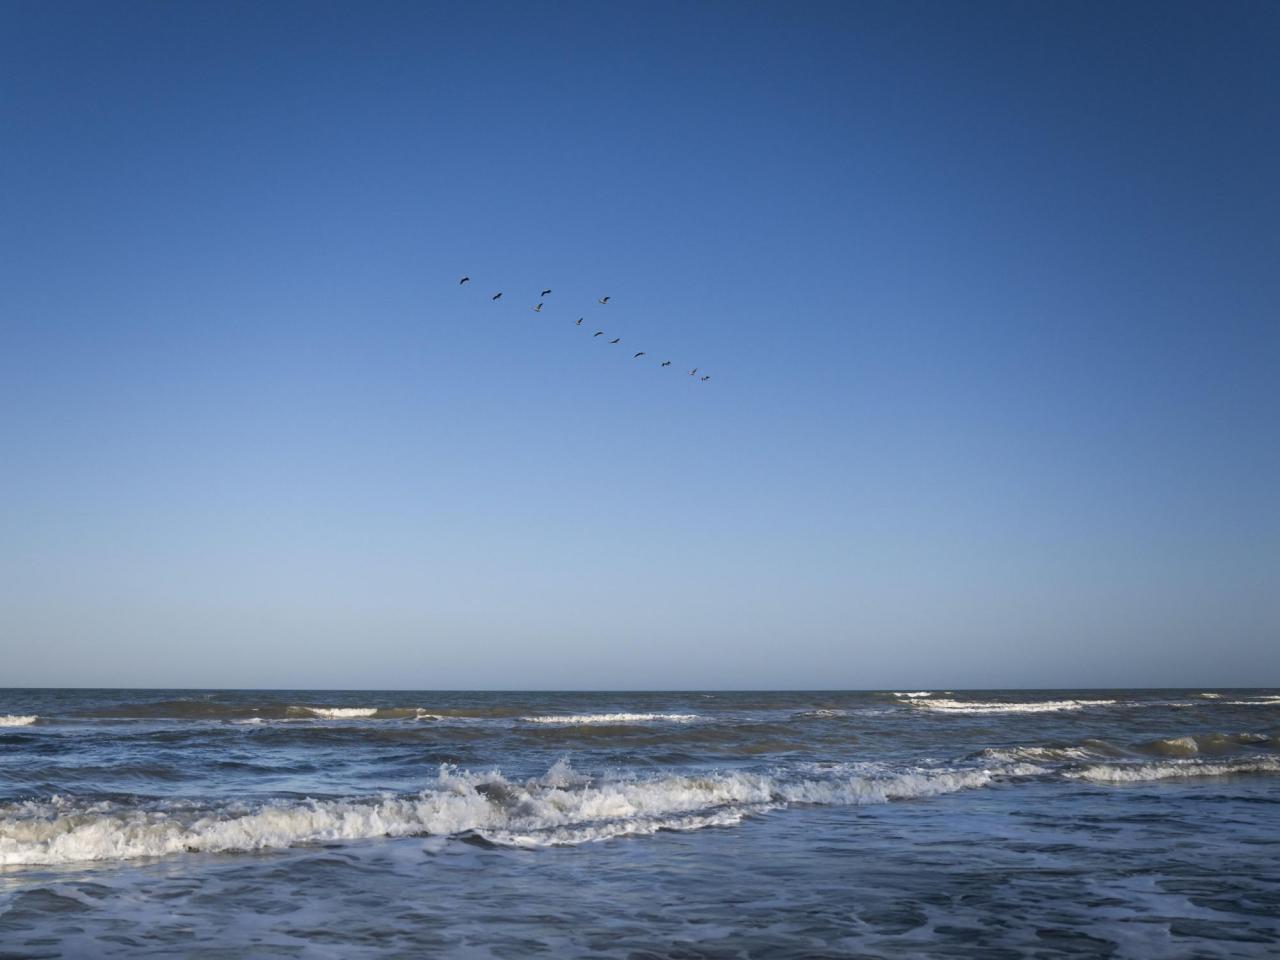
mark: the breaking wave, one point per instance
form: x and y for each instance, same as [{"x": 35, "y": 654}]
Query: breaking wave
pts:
[
  {"x": 337, "y": 713},
  {"x": 1171, "y": 769},
  {"x": 1004, "y": 706},
  {"x": 915, "y": 695},
  {"x": 1213, "y": 743},
  {"x": 561, "y": 807},
  {"x": 16, "y": 720},
  {"x": 613, "y": 718},
  {"x": 1065, "y": 754}
]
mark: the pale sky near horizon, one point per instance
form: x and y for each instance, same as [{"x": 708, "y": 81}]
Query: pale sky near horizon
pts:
[{"x": 988, "y": 294}]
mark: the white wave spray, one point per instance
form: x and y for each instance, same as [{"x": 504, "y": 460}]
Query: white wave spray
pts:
[{"x": 562, "y": 807}]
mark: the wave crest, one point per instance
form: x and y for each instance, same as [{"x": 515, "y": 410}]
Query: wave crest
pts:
[
  {"x": 1174, "y": 769},
  {"x": 18, "y": 720},
  {"x": 1006, "y": 706},
  {"x": 335, "y": 713},
  {"x": 561, "y": 807},
  {"x": 612, "y": 718}
]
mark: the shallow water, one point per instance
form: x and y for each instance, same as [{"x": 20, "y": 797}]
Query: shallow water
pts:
[{"x": 910, "y": 824}]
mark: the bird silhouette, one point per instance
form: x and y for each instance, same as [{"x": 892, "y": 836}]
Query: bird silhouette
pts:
[{"x": 599, "y": 333}]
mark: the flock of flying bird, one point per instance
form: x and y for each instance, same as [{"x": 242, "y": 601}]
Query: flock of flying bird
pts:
[{"x": 599, "y": 333}]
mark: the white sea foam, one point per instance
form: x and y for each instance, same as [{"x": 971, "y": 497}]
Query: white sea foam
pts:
[
  {"x": 1172, "y": 769},
  {"x": 915, "y": 694},
  {"x": 16, "y": 720},
  {"x": 996, "y": 706},
  {"x": 561, "y": 807},
  {"x": 341, "y": 713},
  {"x": 613, "y": 718},
  {"x": 1039, "y": 754}
]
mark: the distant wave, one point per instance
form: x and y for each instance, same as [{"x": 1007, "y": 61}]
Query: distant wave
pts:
[
  {"x": 998, "y": 706},
  {"x": 1211, "y": 743},
  {"x": 337, "y": 713},
  {"x": 915, "y": 694},
  {"x": 559, "y": 808},
  {"x": 1092, "y": 753},
  {"x": 613, "y": 718},
  {"x": 17, "y": 720},
  {"x": 1031, "y": 754},
  {"x": 1171, "y": 769}
]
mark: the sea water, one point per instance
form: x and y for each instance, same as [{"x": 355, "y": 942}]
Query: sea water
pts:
[{"x": 915, "y": 823}]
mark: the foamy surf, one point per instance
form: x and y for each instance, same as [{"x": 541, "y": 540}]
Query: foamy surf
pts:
[
  {"x": 999, "y": 706},
  {"x": 1176, "y": 769},
  {"x": 17, "y": 720},
  {"x": 337, "y": 713},
  {"x": 613, "y": 718},
  {"x": 559, "y": 808}
]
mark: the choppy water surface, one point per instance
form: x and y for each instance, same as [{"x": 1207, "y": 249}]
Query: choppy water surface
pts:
[{"x": 914, "y": 823}]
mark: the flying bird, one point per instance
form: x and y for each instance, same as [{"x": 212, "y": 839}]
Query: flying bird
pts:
[{"x": 598, "y": 333}]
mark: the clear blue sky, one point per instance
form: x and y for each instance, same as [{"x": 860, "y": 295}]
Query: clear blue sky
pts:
[{"x": 989, "y": 292}]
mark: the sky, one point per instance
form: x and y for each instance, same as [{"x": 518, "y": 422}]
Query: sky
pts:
[{"x": 988, "y": 293}]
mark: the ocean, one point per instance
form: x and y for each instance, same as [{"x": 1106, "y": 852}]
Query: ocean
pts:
[{"x": 913, "y": 823}]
